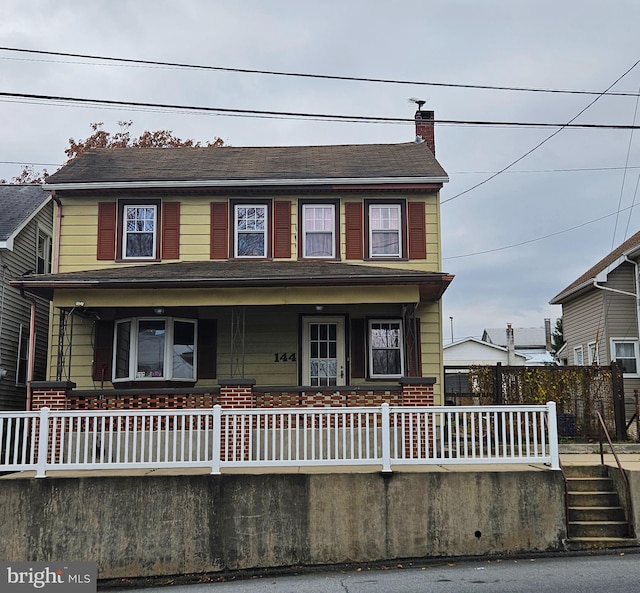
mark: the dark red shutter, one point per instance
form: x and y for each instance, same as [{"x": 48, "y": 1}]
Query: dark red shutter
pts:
[
  {"x": 102, "y": 351},
  {"x": 353, "y": 228},
  {"x": 358, "y": 349},
  {"x": 207, "y": 355},
  {"x": 281, "y": 229},
  {"x": 417, "y": 230},
  {"x": 219, "y": 248},
  {"x": 170, "y": 230},
  {"x": 106, "y": 230}
]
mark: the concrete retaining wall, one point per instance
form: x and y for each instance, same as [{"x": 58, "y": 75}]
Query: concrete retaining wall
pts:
[{"x": 142, "y": 526}]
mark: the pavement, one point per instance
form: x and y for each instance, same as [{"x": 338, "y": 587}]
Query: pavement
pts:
[{"x": 582, "y": 454}]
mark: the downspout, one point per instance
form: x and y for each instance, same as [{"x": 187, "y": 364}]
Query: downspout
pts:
[{"x": 32, "y": 346}]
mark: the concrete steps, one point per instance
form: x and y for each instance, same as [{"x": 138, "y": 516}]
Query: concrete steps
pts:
[{"x": 595, "y": 517}]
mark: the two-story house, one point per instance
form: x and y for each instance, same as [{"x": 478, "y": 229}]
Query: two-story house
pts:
[
  {"x": 26, "y": 220},
  {"x": 600, "y": 316},
  {"x": 298, "y": 275}
]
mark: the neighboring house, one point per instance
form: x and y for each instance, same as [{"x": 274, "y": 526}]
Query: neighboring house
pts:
[
  {"x": 472, "y": 351},
  {"x": 532, "y": 342},
  {"x": 296, "y": 270},
  {"x": 26, "y": 219},
  {"x": 600, "y": 314}
]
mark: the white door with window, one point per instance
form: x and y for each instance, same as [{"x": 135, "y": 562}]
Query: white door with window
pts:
[{"x": 323, "y": 360}]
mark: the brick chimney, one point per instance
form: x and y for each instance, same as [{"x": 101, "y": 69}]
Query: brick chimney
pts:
[{"x": 424, "y": 128}]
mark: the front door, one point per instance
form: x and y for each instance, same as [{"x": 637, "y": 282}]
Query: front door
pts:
[{"x": 323, "y": 361}]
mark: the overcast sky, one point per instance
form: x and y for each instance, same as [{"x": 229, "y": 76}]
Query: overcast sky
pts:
[{"x": 513, "y": 243}]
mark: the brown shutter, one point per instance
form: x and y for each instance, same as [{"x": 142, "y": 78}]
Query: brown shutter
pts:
[
  {"x": 102, "y": 351},
  {"x": 353, "y": 227},
  {"x": 417, "y": 230},
  {"x": 281, "y": 229},
  {"x": 358, "y": 350},
  {"x": 219, "y": 248},
  {"x": 170, "y": 230},
  {"x": 106, "y": 230},
  {"x": 207, "y": 355}
]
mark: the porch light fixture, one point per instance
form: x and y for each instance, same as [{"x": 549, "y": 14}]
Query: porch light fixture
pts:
[
  {"x": 319, "y": 307},
  {"x": 158, "y": 310}
]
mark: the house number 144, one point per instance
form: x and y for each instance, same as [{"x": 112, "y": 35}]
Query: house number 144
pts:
[{"x": 284, "y": 357}]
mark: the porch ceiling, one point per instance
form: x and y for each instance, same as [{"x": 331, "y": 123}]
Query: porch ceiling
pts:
[{"x": 236, "y": 275}]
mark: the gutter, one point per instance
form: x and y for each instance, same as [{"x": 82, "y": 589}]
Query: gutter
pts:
[{"x": 242, "y": 183}]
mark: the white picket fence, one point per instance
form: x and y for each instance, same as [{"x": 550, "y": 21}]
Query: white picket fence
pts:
[{"x": 217, "y": 438}]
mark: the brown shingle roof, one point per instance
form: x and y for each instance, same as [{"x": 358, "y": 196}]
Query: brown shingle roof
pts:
[
  {"x": 259, "y": 164},
  {"x": 586, "y": 278}
]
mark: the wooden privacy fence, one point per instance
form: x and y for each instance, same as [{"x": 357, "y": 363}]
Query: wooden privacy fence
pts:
[
  {"x": 216, "y": 438},
  {"x": 578, "y": 391}
]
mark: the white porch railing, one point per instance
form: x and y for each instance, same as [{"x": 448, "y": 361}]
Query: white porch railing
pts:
[{"x": 218, "y": 438}]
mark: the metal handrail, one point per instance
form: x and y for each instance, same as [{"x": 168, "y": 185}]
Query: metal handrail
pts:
[{"x": 605, "y": 432}]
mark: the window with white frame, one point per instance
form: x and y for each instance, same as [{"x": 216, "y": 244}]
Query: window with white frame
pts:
[
  {"x": 578, "y": 356},
  {"x": 592, "y": 353},
  {"x": 250, "y": 230},
  {"x": 385, "y": 224},
  {"x": 139, "y": 236},
  {"x": 43, "y": 252},
  {"x": 386, "y": 353},
  {"x": 155, "y": 349},
  {"x": 318, "y": 229},
  {"x": 625, "y": 352}
]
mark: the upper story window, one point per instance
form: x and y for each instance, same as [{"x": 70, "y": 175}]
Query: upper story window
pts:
[
  {"x": 625, "y": 352},
  {"x": 43, "y": 253},
  {"x": 318, "y": 230},
  {"x": 139, "y": 231},
  {"x": 155, "y": 349},
  {"x": 250, "y": 230},
  {"x": 385, "y": 230},
  {"x": 386, "y": 351}
]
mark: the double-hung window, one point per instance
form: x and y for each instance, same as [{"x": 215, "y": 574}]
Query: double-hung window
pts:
[
  {"x": 578, "y": 356},
  {"x": 625, "y": 352},
  {"x": 318, "y": 229},
  {"x": 250, "y": 230},
  {"x": 593, "y": 356},
  {"x": 43, "y": 253},
  {"x": 386, "y": 352},
  {"x": 139, "y": 234},
  {"x": 155, "y": 349},
  {"x": 385, "y": 226}
]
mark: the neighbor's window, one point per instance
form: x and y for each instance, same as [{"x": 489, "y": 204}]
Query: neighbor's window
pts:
[
  {"x": 592, "y": 354},
  {"x": 625, "y": 352},
  {"x": 23, "y": 355},
  {"x": 250, "y": 229},
  {"x": 318, "y": 228},
  {"x": 154, "y": 349},
  {"x": 384, "y": 230},
  {"x": 578, "y": 356},
  {"x": 386, "y": 357},
  {"x": 43, "y": 253}
]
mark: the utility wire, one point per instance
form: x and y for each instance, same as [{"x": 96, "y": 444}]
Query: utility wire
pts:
[
  {"x": 526, "y": 154},
  {"x": 157, "y": 63},
  {"x": 317, "y": 116}
]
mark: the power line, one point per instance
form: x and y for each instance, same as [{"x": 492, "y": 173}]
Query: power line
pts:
[
  {"x": 157, "y": 63},
  {"x": 318, "y": 116},
  {"x": 526, "y": 154}
]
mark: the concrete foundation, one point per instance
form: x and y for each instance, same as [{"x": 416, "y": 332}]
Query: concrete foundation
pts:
[{"x": 135, "y": 526}]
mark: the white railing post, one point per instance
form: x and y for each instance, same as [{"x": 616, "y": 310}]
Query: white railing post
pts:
[
  {"x": 217, "y": 435},
  {"x": 43, "y": 443},
  {"x": 552, "y": 423},
  {"x": 386, "y": 438}
]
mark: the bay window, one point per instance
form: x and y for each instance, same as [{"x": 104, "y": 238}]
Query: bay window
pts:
[
  {"x": 386, "y": 352},
  {"x": 155, "y": 348}
]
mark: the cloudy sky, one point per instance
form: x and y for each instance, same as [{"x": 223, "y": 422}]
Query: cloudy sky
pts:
[{"x": 513, "y": 242}]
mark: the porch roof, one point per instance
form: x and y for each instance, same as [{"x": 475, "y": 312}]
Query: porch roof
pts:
[{"x": 236, "y": 274}]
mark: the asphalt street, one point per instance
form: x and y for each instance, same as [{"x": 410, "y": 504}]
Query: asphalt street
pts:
[{"x": 619, "y": 572}]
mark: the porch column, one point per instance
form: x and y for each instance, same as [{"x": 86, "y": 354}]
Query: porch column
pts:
[
  {"x": 418, "y": 391},
  {"x": 52, "y": 395},
  {"x": 236, "y": 429}
]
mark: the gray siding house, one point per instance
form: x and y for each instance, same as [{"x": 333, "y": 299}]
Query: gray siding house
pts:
[
  {"x": 26, "y": 230},
  {"x": 600, "y": 315}
]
